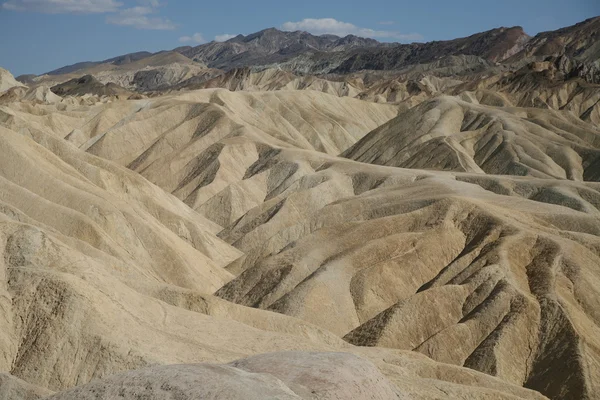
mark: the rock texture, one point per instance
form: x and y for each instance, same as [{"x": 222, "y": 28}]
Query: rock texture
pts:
[
  {"x": 143, "y": 72},
  {"x": 492, "y": 253},
  {"x": 275, "y": 375},
  {"x": 12, "y": 388},
  {"x": 451, "y": 134},
  {"x": 579, "y": 40},
  {"x": 301, "y": 52},
  {"x": 186, "y": 142},
  {"x": 88, "y": 85},
  {"x": 105, "y": 272},
  {"x": 289, "y": 375},
  {"x": 7, "y": 81}
]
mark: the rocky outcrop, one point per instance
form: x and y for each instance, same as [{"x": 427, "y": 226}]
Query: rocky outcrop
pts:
[
  {"x": 7, "y": 81},
  {"x": 449, "y": 134},
  {"x": 88, "y": 85},
  {"x": 286, "y": 376},
  {"x": 579, "y": 41}
]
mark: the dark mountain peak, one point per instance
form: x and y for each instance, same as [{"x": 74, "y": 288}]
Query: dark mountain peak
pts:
[
  {"x": 85, "y": 79},
  {"x": 128, "y": 58},
  {"x": 26, "y": 78},
  {"x": 271, "y": 30},
  {"x": 328, "y": 36},
  {"x": 592, "y": 23},
  {"x": 356, "y": 41},
  {"x": 265, "y": 33},
  {"x": 119, "y": 60},
  {"x": 513, "y": 31},
  {"x": 237, "y": 39},
  {"x": 305, "y": 53},
  {"x": 182, "y": 49},
  {"x": 507, "y": 28},
  {"x": 579, "y": 41}
]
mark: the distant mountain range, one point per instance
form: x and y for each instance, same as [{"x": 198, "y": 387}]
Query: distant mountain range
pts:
[{"x": 304, "y": 53}]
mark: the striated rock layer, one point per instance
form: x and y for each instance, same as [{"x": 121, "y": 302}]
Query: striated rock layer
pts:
[
  {"x": 147, "y": 244},
  {"x": 450, "y": 134}
]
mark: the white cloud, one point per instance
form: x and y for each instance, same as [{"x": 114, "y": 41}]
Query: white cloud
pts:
[
  {"x": 149, "y": 3},
  {"x": 195, "y": 38},
  {"x": 224, "y": 37},
  {"x": 63, "y": 6},
  {"x": 140, "y": 18},
  {"x": 332, "y": 26}
]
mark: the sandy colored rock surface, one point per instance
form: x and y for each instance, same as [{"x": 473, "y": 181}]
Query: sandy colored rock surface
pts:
[
  {"x": 7, "y": 81},
  {"x": 495, "y": 260},
  {"x": 12, "y": 388},
  {"x": 292, "y": 236},
  {"x": 274, "y": 375},
  {"x": 105, "y": 272},
  {"x": 446, "y": 133},
  {"x": 286, "y": 375}
]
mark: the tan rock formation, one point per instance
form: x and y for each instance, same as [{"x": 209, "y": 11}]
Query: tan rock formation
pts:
[{"x": 211, "y": 226}]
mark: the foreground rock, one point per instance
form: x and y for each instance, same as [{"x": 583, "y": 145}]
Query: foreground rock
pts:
[
  {"x": 285, "y": 376},
  {"x": 467, "y": 269},
  {"x": 12, "y": 388}
]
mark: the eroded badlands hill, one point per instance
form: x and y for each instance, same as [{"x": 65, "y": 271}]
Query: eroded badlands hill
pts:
[
  {"x": 105, "y": 272},
  {"x": 306, "y": 217},
  {"x": 453, "y": 134}
]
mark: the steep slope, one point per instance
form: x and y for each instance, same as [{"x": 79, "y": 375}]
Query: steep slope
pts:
[
  {"x": 104, "y": 272},
  {"x": 88, "y": 85},
  {"x": 493, "y": 45},
  {"x": 181, "y": 141},
  {"x": 151, "y": 72},
  {"x": 272, "y": 45},
  {"x": 88, "y": 249},
  {"x": 7, "y": 81},
  {"x": 269, "y": 80},
  {"x": 494, "y": 273},
  {"x": 258, "y": 238},
  {"x": 556, "y": 84},
  {"x": 306, "y": 54},
  {"x": 450, "y": 134},
  {"x": 119, "y": 60},
  {"x": 580, "y": 41}
]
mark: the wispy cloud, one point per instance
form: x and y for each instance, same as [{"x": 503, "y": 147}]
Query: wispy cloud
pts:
[
  {"x": 141, "y": 17},
  {"x": 195, "y": 38},
  {"x": 224, "y": 37},
  {"x": 340, "y": 28},
  {"x": 63, "y": 6},
  {"x": 149, "y": 3}
]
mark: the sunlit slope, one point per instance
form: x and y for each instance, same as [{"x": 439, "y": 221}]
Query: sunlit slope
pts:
[{"x": 447, "y": 133}]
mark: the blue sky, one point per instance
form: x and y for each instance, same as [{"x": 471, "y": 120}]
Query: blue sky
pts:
[{"x": 41, "y": 35}]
